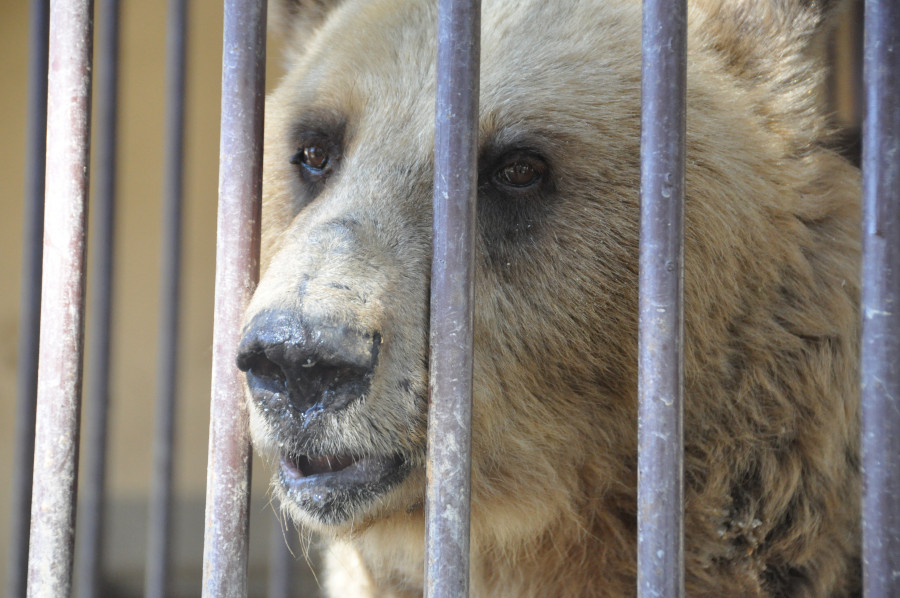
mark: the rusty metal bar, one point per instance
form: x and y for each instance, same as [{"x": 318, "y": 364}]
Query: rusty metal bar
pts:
[
  {"x": 660, "y": 337},
  {"x": 159, "y": 538},
  {"x": 90, "y": 538},
  {"x": 880, "y": 367},
  {"x": 30, "y": 305},
  {"x": 237, "y": 270},
  {"x": 452, "y": 298},
  {"x": 62, "y": 300}
]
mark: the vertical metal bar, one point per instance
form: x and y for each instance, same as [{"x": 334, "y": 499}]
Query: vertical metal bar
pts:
[
  {"x": 62, "y": 300},
  {"x": 880, "y": 367},
  {"x": 452, "y": 297},
  {"x": 30, "y": 306},
  {"x": 660, "y": 338},
  {"x": 90, "y": 539},
  {"x": 237, "y": 270},
  {"x": 160, "y": 523},
  {"x": 281, "y": 562}
]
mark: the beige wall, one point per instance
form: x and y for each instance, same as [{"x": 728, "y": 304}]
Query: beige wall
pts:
[{"x": 137, "y": 254}]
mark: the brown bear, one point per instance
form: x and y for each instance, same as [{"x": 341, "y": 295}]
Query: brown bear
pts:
[{"x": 335, "y": 339}]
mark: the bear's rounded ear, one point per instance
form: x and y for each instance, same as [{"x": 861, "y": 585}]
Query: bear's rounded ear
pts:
[
  {"x": 295, "y": 20},
  {"x": 777, "y": 47},
  {"x": 763, "y": 21}
]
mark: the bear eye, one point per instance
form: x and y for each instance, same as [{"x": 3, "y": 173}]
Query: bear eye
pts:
[
  {"x": 314, "y": 159},
  {"x": 520, "y": 172}
]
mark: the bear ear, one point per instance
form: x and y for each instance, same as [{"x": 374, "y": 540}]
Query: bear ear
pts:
[
  {"x": 750, "y": 30},
  {"x": 295, "y": 20},
  {"x": 775, "y": 47}
]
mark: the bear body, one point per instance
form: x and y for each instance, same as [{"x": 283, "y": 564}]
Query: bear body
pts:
[{"x": 335, "y": 341}]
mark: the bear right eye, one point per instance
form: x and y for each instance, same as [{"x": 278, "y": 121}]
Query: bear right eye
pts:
[{"x": 519, "y": 172}]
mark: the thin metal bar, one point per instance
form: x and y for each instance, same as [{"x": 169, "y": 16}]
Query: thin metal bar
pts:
[
  {"x": 90, "y": 539},
  {"x": 160, "y": 525},
  {"x": 281, "y": 562},
  {"x": 880, "y": 367},
  {"x": 452, "y": 297},
  {"x": 30, "y": 306},
  {"x": 660, "y": 337},
  {"x": 237, "y": 270},
  {"x": 62, "y": 300}
]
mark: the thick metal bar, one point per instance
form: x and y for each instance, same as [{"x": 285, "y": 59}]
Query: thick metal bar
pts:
[
  {"x": 880, "y": 367},
  {"x": 281, "y": 562},
  {"x": 90, "y": 538},
  {"x": 452, "y": 298},
  {"x": 237, "y": 270},
  {"x": 160, "y": 523},
  {"x": 62, "y": 300},
  {"x": 660, "y": 337},
  {"x": 30, "y": 306}
]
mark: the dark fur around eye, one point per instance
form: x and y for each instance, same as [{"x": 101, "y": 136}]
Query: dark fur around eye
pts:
[
  {"x": 516, "y": 194},
  {"x": 319, "y": 142}
]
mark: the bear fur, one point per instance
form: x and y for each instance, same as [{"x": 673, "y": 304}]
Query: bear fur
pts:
[{"x": 770, "y": 286}]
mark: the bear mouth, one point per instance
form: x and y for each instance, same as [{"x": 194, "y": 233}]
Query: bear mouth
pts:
[{"x": 334, "y": 488}]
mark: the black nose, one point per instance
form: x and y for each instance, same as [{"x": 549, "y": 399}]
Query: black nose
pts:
[{"x": 306, "y": 364}]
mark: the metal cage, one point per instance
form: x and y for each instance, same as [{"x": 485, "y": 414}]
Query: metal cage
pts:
[{"x": 49, "y": 398}]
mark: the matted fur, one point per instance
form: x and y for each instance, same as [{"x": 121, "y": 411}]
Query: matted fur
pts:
[{"x": 771, "y": 289}]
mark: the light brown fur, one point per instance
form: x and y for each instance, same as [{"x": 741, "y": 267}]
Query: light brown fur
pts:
[{"x": 770, "y": 294}]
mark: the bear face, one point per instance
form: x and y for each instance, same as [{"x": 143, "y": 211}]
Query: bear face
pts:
[{"x": 335, "y": 341}]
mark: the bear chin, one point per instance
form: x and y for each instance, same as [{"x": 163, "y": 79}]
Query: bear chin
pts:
[{"x": 329, "y": 488}]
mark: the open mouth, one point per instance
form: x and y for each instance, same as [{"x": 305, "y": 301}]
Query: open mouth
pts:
[
  {"x": 334, "y": 488},
  {"x": 303, "y": 466}
]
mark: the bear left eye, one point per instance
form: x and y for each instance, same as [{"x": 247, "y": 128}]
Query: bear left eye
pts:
[
  {"x": 314, "y": 159},
  {"x": 520, "y": 172}
]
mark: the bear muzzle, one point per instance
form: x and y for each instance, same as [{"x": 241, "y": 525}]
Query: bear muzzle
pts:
[{"x": 302, "y": 375}]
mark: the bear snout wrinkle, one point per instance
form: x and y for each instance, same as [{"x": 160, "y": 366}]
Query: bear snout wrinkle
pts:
[{"x": 302, "y": 364}]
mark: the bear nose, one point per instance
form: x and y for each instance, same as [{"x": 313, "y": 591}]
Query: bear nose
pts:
[{"x": 306, "y": 364}]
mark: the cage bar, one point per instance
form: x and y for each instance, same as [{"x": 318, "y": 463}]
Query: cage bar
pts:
[
  {"x": 62, "y": 300},
  {"x": 226, "y": 538},
  {"x": 452, "y": 297},
  {"x": 880, "y": 364},
  {"x": 30, "y": 300},
  {"x": 91, "y": 507},
  {"x": 661, "y": 312},
  {"x": 159, "y": 536}
]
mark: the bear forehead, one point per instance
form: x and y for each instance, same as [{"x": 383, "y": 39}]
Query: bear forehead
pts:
[{"x": 384, "y": 71}]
